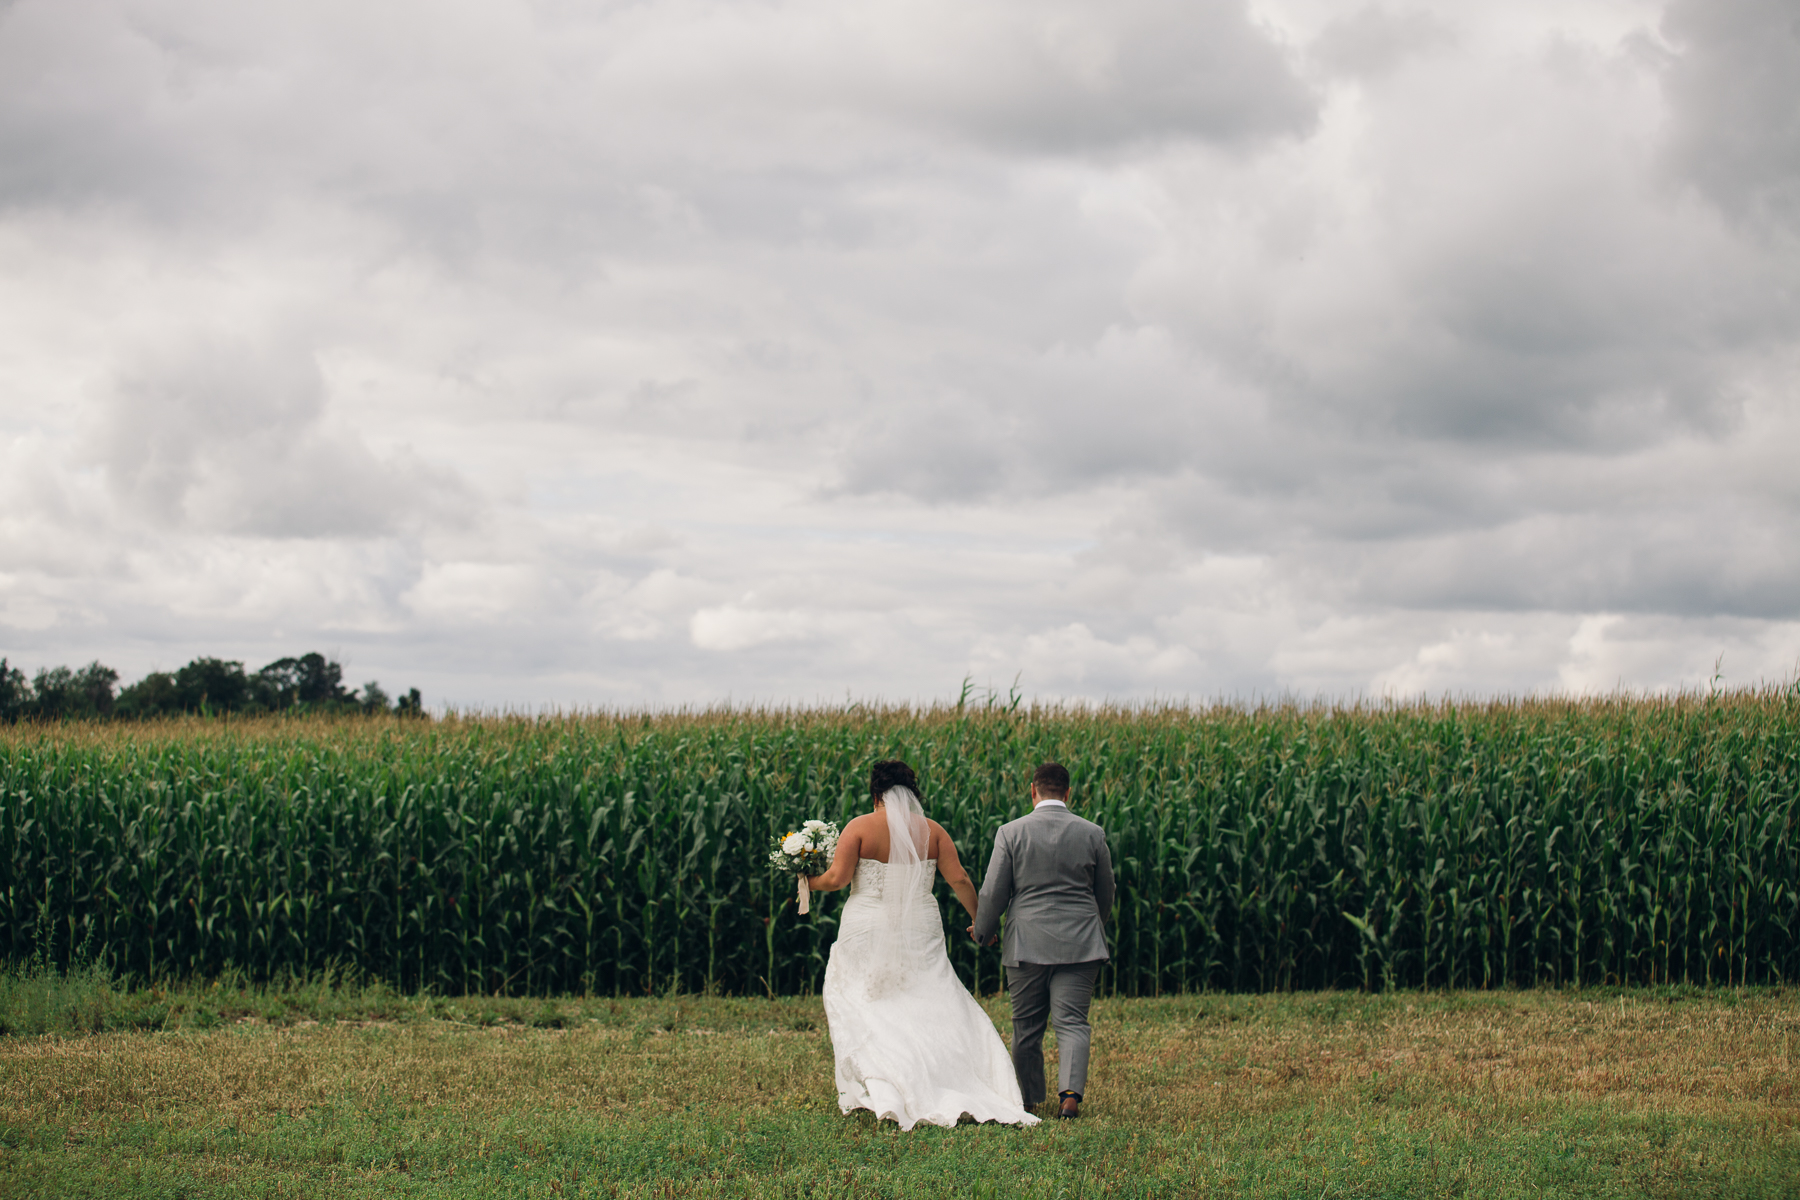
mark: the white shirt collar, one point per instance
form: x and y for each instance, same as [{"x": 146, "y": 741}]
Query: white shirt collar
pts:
[{"x": 1048, "y": 803}]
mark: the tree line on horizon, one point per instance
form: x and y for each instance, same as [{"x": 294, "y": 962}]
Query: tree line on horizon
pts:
[{"x": 207, "y": 686}]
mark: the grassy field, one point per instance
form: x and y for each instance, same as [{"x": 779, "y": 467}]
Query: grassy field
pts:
[{"x": 1650, "y": 1092}]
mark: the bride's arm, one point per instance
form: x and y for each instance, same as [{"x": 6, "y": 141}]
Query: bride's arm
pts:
[
  {"x": 843, "y": 863},
  {"x": 951, "y": 868}
]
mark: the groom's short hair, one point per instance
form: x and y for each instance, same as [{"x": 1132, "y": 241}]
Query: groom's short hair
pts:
[{"x": 1052, "y": 781}]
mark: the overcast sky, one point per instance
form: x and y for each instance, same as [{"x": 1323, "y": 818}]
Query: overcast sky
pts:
[{"x": 551, "y": 352}]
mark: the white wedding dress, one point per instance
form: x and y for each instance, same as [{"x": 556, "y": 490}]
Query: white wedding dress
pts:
[{"x": 911, "y": 1043}]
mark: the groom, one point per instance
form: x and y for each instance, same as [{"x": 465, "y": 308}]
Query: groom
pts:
[{"x": 1051, "y": 874}]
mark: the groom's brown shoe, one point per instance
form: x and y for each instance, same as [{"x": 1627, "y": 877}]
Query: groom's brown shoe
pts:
[{"x": 1070, "y": 1107}]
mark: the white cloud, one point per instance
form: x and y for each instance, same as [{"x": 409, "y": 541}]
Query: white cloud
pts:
[
  {"x": 1073, "y": 661},
  {"x": 731, "y": 627},
  {"x": 480, "y": 593}
]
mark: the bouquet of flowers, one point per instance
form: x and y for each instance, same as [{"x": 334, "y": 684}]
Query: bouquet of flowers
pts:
[{"x": 806, "y": 851}]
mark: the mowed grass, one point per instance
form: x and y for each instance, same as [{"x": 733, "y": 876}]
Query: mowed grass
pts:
[{"x": 1570, "y": 1093}]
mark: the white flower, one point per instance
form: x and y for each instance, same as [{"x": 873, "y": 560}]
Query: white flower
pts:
[
  {"x": 794, "y": 843},
  {"x": 811, "y": 825}
]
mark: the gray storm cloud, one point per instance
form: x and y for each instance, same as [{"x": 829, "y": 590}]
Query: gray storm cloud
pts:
[
  {"x": 227, "y": 437},
  {"x": 675, "y": 350},
  {"x": 1735, "y": 128}
]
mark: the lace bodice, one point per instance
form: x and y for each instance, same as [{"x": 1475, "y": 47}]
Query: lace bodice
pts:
[{"x": 871, "y": 877}]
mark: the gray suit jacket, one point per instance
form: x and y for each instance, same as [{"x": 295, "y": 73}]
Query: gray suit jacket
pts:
[{"x": 1051, "y": 874}]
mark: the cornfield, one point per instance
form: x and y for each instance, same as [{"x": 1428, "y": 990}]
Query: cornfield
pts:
[{"x": 1630, "y": 839}]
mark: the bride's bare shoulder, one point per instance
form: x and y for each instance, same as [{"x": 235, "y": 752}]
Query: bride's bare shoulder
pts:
[{"x": 864, "y": 823}]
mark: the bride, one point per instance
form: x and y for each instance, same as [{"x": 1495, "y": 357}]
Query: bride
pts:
[{"x": 911, "y": 1043}]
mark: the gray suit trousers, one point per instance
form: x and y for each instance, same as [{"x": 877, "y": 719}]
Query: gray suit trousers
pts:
[{"x": 1059, "y": 992}]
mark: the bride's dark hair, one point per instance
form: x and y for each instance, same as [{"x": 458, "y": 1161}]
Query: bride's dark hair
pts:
[{"x": 891, "y": 773}]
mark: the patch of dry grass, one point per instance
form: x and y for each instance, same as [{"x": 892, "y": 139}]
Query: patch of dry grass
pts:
[
  {"x": 245, "y": 1077},
  {"x": 1728, "y": 1055}
]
